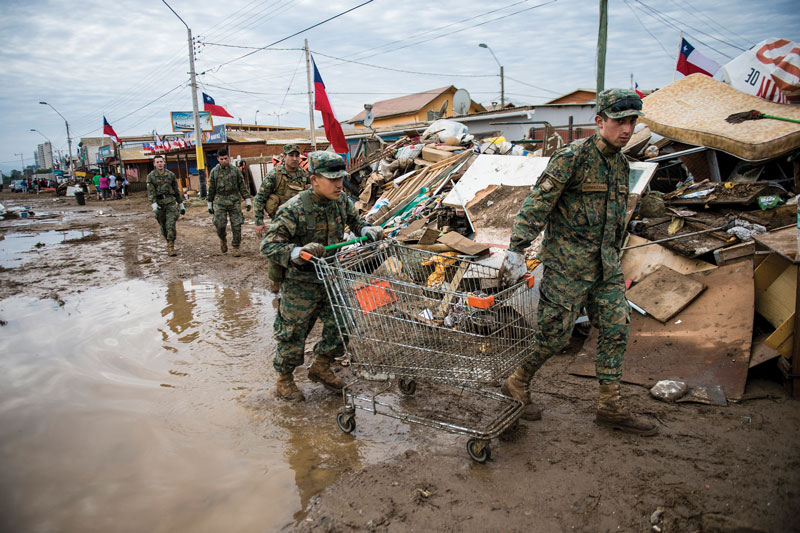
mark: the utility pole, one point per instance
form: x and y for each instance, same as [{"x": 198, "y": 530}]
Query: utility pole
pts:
[
  {"x": 601, "y": 46},
  {"x": 69, "y": 142},
  {"x": 310, "y": 98},
  {"x": 198, "y": 133},
  {"x": 22, "y": 162},
  {"x": 502, "y": 76}
]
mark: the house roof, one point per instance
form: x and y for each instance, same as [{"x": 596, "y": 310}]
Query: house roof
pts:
[
  {"x": 402, "y": 105},
  {"x": 563, "y": 96}
]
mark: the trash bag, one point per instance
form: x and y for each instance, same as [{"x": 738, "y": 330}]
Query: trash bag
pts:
[{"x": 443, "y": 128}]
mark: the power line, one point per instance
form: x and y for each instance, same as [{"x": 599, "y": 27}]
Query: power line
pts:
[
  {"x": 627, "y": 3},
  {"x": 709, "y": 20},
  {"x": 406, "y": 71},
  {"x": 294, "y": 34},
  {"x": 530, "y": 85},
  {"x": 664, "y": 18}
]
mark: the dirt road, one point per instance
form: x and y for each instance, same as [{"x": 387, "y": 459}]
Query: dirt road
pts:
[{"x": 732, "y": 468}]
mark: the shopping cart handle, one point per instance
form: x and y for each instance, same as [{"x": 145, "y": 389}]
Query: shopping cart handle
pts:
[
  {"x": 305, "y": 255},
  {"x": 345, "y": 243}
]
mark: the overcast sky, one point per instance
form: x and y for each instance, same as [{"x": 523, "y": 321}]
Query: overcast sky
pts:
[{"x": 129, "y": 60}]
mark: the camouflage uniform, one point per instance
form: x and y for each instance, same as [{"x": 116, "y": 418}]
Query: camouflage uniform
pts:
[
  {"x": 226, "y": 191},
  {"x": 163, "y": 189},
  {"x": 580, "y": 200},
  {"x": 278, "y": 187},
  {"x": 303, "y": 298}
]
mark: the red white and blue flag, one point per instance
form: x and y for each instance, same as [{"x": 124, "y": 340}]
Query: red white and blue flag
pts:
[
  {"x": 108, "y": 130},
  {"x": 690, "y": 61},
  {"x": 637, "y": 90},
  {"x": 214, "y": 109},
  {"x": 333, "y": 130}
]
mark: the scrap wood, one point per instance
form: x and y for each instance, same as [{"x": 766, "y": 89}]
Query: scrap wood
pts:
[
  {"x": 708, "y": 343},
  {"x": 664, "y": 293}
]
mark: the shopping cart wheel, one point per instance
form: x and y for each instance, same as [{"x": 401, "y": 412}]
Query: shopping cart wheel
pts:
[
  {"x": 479, "y": 450},
  {"x": 346, "y": 421},
  {"x": 407, "y": 386}
]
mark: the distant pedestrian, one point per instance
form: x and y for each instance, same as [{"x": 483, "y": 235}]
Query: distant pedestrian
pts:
[
  {"x": 225, "y": 192},
  {"x": 125, "y": 184},
  {"x": 96, "y": 183},
  {"x": 103, "y": 186},
  {"x": 112, "y": 186},
  {"x": 165, "y": 198}
]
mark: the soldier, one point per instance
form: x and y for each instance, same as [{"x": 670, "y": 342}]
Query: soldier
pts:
[
  {"x": 308, "y": 222},
  {"x": 165, "y": 198},
  {"x": 226, "y": 188},
  {"x": 281, "y": 183},
  {"x": 580, "y": 201}
]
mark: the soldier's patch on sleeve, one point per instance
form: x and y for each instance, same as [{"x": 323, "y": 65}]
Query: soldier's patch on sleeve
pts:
[{"x": 546, "y": 185}]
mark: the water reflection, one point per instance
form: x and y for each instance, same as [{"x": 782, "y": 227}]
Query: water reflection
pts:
[{"x": 92, "y": 440}]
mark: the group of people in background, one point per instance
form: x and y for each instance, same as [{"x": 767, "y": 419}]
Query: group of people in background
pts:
[{"x": 110, "y": 187}]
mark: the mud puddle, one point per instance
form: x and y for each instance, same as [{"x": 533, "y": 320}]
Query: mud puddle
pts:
[
  {"x": 143, "y": 408},
  {"x": 19, "y": 248}
]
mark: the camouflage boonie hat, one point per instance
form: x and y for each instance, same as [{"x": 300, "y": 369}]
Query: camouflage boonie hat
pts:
[
  {"x": 326, "y": 164},
  {"x": 289, "y": 148},
  {"x": 619, "y": 103}
]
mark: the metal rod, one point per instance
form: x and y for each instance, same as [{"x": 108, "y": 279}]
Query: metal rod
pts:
[{"x": 721, "y": 228}]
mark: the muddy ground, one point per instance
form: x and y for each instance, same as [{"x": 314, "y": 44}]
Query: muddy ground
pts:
[{"x": 733, "y": 468}]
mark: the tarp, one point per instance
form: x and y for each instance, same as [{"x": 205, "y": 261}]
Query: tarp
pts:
[{"x": 693, "y": 110}]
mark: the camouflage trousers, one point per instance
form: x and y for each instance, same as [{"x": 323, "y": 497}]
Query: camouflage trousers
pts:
[
  {"x": 226, "y": 207},
  {"x": 560, "y": 304},
  {"x": 167, "y": 216},
  {"x": 299, "y": 306}
]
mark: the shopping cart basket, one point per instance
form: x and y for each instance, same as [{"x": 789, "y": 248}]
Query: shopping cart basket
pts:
[{"x": 408, "y": 315}]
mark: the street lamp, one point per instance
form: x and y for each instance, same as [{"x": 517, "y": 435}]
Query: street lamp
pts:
[
  {"x": 255, "y": 120},
  {"x": 502, "y": 78},
  {"x": 52, "y": 161},
  {"x": 69, "y": 142}
]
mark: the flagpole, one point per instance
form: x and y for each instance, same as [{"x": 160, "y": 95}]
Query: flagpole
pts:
[
  {"x": 310, "y": 98},
  {"x": 678, "y": 57}
]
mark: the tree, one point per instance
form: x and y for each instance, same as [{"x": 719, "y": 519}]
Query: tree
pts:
[{"x": 16, "y": 174}]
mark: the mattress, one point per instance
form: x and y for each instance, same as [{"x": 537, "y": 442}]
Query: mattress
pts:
[{"x": 693, "y": 110}]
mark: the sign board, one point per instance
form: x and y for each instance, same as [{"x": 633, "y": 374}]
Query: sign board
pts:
[
  {"x": 184, "y": 121},
  {"x": 217, "y": 135}
]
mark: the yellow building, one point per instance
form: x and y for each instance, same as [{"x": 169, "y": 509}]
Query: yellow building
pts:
[{"x": 419, "y": 107}]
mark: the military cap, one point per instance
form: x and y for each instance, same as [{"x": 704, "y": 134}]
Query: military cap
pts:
[
  {"x": 619, "y": 103},
  {"x": 289, "y": 148},
  {"x": 327, "y": 164}
]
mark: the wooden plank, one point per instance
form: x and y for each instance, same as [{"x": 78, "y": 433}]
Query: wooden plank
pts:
[
  {"x": 768, "y": 271},
  {"x": 782, "y": 338},
  {"x": 782, "y": 241},
  {"x": 777, "y": 302},
  {"x": 429, "y": 153},
  {"x": 734, "y": 254},
  {"x": 665, "y": 293},
  {"x": 639, "y": 262},
  {"x": 710, "y": 345},
  {"x": 760, "y": 352},
  {"x": 451, "y": 288}
]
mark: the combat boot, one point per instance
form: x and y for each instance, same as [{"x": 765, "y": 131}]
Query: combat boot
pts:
[
  {"x": 223, "y": 245},
  {"x": 236, "y": 252},
  {"x": 285, "y": 389},
  {"x": 516, "y": 386},
  {"x": 171, "y": 248},
  {"x": 611, "y": 412},
  {"x": 320, "y": 372}
]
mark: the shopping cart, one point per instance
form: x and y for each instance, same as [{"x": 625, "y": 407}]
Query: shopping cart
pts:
[{"x": 408, "y": 315}]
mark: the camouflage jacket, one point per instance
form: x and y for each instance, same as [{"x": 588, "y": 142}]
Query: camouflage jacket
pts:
[
  {"x": 290, "y": 228},
  {"x": 226, "y": 181},
  {"x": 580, "y": 201},
  {"x": 163, "y": 188},
  {"x": 276, "y": 189}
]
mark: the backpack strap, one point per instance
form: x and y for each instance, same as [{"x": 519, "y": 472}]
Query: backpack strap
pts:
[{"x": 308, "y": 210}]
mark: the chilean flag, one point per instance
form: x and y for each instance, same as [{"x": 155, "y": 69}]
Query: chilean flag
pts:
[
  {"x": 639, "y": 92},
  {"x": 216, "y": 110},
  {"x": 333, "y": 130},
  {"x": 691, "y": 61},
  {"x": 108, "y": 130}
]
